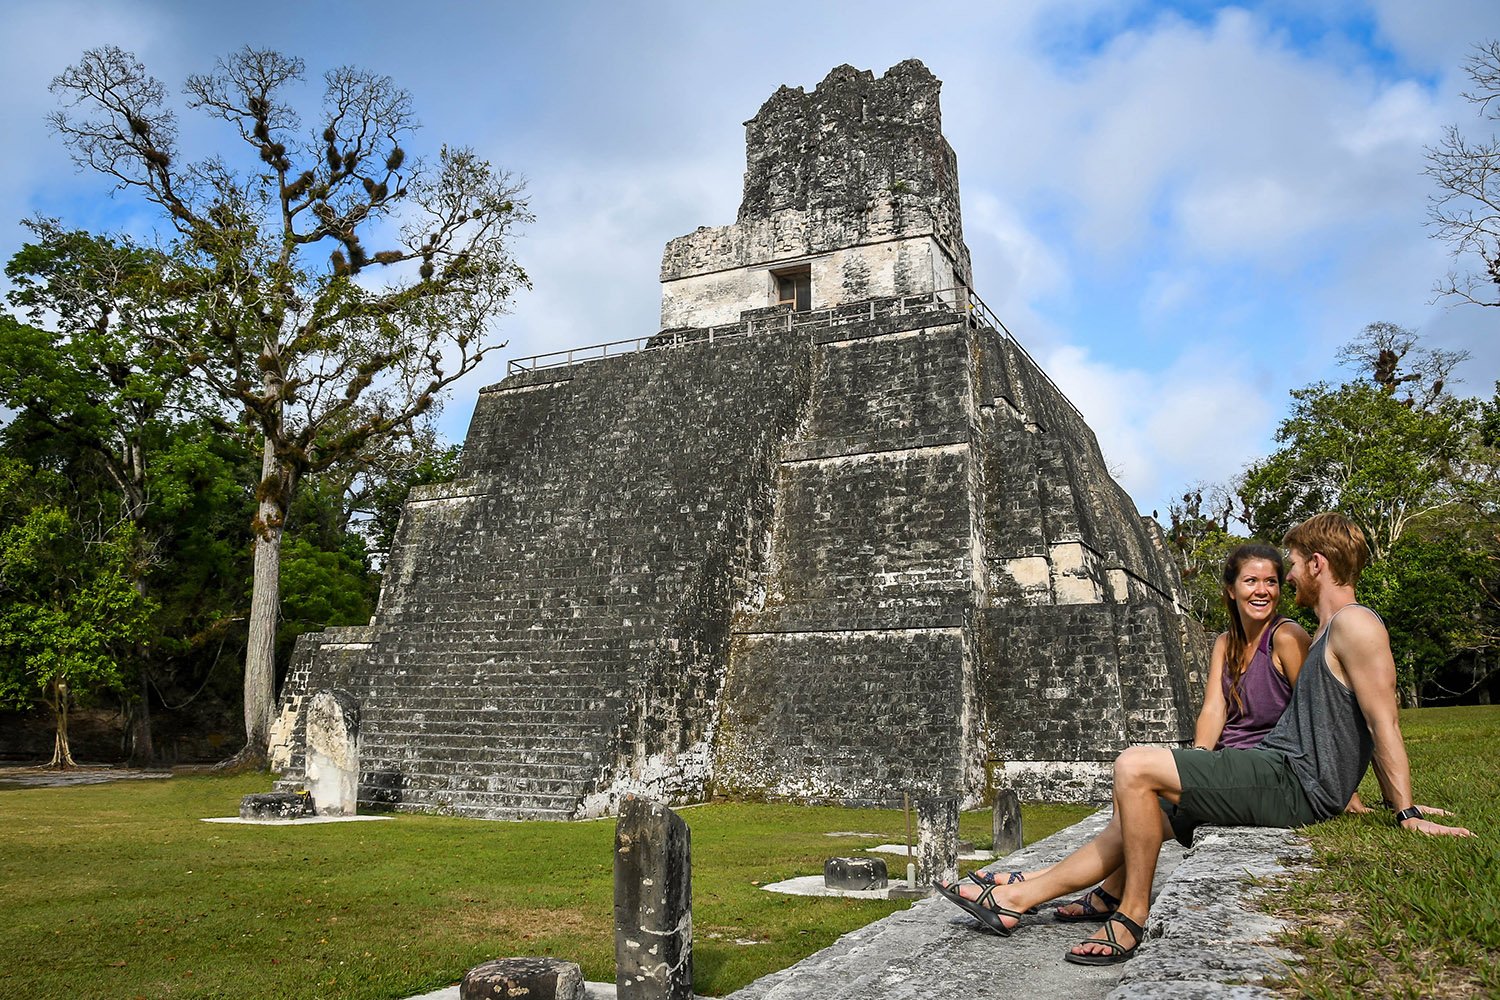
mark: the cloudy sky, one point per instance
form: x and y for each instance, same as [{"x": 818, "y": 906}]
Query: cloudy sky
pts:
[{"x": 1182, "y": 209}]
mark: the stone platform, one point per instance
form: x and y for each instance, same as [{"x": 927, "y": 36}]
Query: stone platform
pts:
[{"x": 1204, "y": 938}]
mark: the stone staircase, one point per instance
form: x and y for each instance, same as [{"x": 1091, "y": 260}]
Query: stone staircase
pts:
[{"x": 570, "y": 588}]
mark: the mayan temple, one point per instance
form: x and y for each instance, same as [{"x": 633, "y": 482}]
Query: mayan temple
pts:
[{"x": 828, "y": 534}]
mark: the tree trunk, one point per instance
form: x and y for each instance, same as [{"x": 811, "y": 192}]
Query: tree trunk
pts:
[
  {"x": 144, "y": 750},
  {"x": 265, "y": 605},
  {"x": 142, "y": 747},
  {"x": 62, "y": 754}
]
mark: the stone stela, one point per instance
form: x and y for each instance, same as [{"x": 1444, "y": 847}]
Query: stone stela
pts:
[
  {"x": 653, "y": 903},
  {"x": 828, "y": 535}
]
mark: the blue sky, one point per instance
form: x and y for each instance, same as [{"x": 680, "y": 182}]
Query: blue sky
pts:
[{"x": 1182, "y": 209}]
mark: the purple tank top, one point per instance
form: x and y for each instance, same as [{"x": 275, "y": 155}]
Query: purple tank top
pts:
[{"x": 1264, "y": 694}]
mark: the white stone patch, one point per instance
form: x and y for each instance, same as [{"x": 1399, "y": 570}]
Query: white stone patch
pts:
[
  {"x": 515, "y": 389},
  {"x": 890, "y": 455}
]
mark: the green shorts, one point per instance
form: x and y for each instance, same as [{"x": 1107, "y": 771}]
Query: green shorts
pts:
[{"x": 1236, "y": 788}]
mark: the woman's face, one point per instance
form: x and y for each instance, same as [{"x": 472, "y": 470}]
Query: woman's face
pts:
[{"x": 1256, "y": 590}]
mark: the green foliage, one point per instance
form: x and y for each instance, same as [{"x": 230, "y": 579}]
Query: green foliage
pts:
[
  {"x": 69, "y": 612},
  {"x": 1359, "y": 450},
  {"x": 322, "y": 587}
]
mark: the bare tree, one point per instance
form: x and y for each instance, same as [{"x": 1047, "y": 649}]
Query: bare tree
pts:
[
  {"x": 1466, "y": 210},
  {"x": 1389, "y": 356},
  {"x": 323, "y": 351}
]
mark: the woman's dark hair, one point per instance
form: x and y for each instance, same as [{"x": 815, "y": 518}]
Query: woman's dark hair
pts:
[{"x": 1236, "y": 639}]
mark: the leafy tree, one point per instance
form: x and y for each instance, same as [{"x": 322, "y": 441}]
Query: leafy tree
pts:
[
  {"x": 1359, "y": 450},
  {"x": 324, "y": 351},
  {"x": 69, "y": 607},
  {"x": 97, "y": 390},
  {"x": 1415, "y": 468},
  {"x": 1200, "y": 540},
  {"x": 1466, "y": 209}
]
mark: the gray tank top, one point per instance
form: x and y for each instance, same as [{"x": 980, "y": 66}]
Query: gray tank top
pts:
[{"x": 1323, "y": 733}]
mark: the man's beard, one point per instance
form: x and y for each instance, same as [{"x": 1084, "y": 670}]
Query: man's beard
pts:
[{"x": 1307, "y": 593}]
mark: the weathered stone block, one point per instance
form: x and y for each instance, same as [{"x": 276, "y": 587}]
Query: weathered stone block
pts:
[
  {"x": 276, "y": 805},
  {"x": 531, "y": 978},
  {"x": 1007, "y": 821},
  {"x": 937, "y": 839},
  {"x": 653, "y": 903},
  {"x": 333, "y": 752},
  {"x": 854, "y": 873}
]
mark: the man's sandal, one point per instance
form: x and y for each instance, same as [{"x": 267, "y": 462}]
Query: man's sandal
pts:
[
  {"x": 1117, "y": 952},
  {"x": 987, "y": 915},
  {"x": 1090, "y": 911},
  {"x": 983, "y": 878}
]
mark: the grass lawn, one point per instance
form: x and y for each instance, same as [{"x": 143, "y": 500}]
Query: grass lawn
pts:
[
  {"x": 1395, "y": 914},
  {"x": 118, "y": 890}
]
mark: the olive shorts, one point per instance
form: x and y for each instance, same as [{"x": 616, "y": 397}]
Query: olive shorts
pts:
[{"x": 1236, "y": 788}]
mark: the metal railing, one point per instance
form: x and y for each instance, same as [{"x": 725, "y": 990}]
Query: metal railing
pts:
[{"x": 959, "y": 298}]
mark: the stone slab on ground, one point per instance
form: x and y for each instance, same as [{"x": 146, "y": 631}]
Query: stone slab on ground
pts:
[
  {"x": 299, "y": 821},
  {"x": 813, "y": 885},
  {"x": 901, "y": 849}
]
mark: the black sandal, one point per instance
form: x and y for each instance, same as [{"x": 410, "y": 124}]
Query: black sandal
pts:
[
  {"x": 1090, "y": 911},
  {"x": 1117, "y": 952},
  {"x": 983, "y": 878},
  {"x": 988, "y": 916}
]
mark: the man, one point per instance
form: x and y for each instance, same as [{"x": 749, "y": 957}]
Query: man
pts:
[{"x": 1342, "y": 717}]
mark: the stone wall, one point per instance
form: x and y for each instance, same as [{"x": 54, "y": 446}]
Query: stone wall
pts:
[
  {"x": 854, "y": 181},
  {"x": 791, "y": 563},
  {"x": 552, "y": 622}
]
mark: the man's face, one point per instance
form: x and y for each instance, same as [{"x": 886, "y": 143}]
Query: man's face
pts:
[{"x": 1301, "y": 577}]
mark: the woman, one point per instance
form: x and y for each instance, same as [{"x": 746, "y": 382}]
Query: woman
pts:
[{"x": 1251, "y": 673}]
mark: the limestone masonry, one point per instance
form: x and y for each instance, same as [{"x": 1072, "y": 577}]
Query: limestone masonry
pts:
[{"x": 830, "y": 534}]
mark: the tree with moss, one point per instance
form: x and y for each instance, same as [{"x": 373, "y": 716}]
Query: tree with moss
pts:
[{"x": 340, "y": 284}]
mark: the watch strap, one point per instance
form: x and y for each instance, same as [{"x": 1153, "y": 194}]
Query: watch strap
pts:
[{"x": 1410, "y": 812}]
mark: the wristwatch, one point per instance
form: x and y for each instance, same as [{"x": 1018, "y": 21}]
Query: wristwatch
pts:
[{"x": 1410, "y": 812}]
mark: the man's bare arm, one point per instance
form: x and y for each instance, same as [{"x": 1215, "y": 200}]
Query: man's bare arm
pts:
[{"x": 1362, "y": 649}]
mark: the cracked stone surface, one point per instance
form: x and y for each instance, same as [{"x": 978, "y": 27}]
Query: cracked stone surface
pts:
[{"x": 1204, "y": 938}]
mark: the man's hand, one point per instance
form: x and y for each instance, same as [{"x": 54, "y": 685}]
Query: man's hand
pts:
[{"x": 1432, "y": 829}]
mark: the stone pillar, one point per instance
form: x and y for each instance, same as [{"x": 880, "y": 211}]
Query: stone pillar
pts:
[
  {"x": 653, "y": 903},
  {"x": 333, "y": 752},
  {"x": 532, "y": 978},
  {"x": 1007, "y": 822},
  {"x": 937, "y": 839}
]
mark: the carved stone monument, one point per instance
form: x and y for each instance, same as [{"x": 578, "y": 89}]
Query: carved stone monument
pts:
[
  {"x": 653, "y": 903},
  {"x": 333, "y": 752},
  {"x": 829, "y": 534}
]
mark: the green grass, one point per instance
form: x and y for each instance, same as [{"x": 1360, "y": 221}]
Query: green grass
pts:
[
  {"x": 1390, "y": 913},
  {"x": 119, "y": 891}
]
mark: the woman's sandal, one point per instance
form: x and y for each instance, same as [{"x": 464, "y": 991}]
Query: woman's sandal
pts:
[
  {"x": 987, "y": 915},
  {"x": 1090, "y": 911},
  {"x": 983, "y": 878},
  {"x": 1117, "y": 952}
]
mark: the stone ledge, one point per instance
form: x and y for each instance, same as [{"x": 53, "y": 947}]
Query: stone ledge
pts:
[{"x": 1206, "y": 935}]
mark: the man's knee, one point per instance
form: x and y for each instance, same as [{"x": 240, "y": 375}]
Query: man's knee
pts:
[{"x": 1149, "y": 768}]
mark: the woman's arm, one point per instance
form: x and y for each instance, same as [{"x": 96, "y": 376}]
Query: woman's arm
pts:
[
  {"x": 1211, "y": 718},
  {"x": 1289, "y": 646}
]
